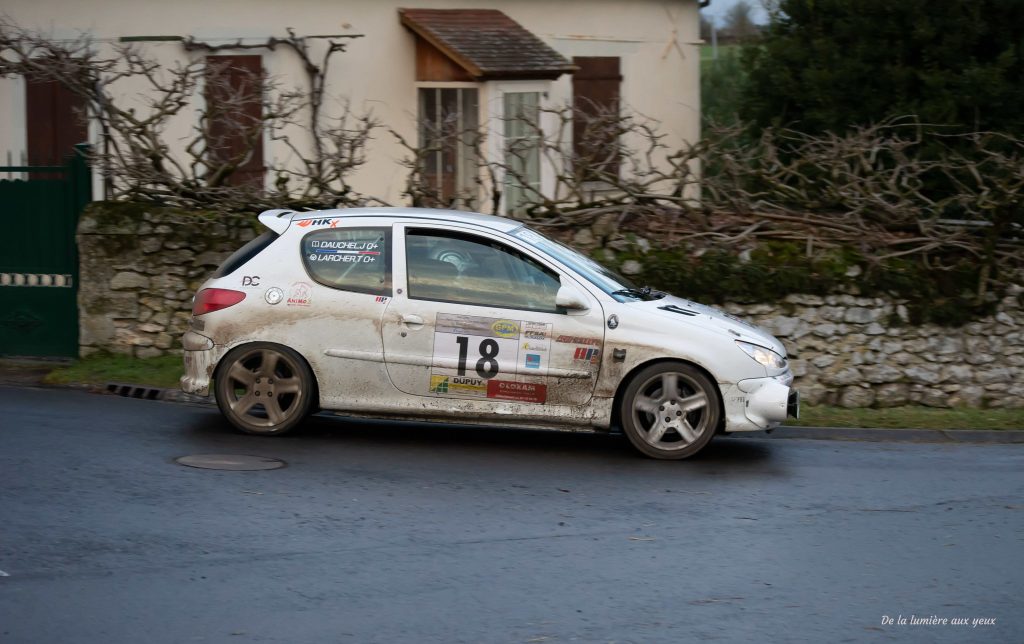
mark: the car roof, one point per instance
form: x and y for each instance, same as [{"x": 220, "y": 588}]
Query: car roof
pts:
[{"x": 501, "y": 224}]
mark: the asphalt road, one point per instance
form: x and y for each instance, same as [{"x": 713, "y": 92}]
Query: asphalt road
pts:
[{"x": 414, "y": 533}]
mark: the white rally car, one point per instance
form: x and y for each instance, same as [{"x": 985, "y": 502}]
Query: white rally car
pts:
[{"x": 454, "y": 316}]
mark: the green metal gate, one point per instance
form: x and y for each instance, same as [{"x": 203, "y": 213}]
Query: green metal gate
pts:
[{"x": 39, "y": 258}]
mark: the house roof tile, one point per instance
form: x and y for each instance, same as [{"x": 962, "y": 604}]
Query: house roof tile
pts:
[{"x": 486, "y": 43}]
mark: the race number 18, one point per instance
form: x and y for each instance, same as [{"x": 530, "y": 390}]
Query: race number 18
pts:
[{"x": 487, "y": 365}]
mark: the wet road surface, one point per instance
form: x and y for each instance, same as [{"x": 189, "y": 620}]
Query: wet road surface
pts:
[{"x": 379, "y": 532}]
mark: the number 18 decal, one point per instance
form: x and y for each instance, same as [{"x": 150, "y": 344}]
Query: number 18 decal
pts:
[
  {"x": 487, "y": 365},
  {"x": 480, "y": 357}
]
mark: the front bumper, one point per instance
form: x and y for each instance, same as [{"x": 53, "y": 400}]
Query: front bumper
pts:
[{"x": 757, "y": 404}]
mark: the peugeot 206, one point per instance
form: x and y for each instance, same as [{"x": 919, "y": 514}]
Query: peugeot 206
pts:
[{"x": 451, "y": 316}]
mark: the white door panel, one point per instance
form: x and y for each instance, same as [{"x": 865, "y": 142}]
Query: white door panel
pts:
[{"x": 487, "y": 353}]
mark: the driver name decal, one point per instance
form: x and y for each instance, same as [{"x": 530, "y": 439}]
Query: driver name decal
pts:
[
  {"x": 481, "y": 357},
  {"x": 350, "y": 252}
]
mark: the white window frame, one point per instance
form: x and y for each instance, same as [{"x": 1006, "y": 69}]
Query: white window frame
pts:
[
  {"x": 494, "y": 101},
  {"x": 480, "y": 117}
]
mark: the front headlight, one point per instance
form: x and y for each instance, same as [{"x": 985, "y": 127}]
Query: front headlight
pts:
[{"x": 764, "y": 357}]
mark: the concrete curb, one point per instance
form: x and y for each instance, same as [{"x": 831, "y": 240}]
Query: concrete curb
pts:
[{"x": 1004, "y": 436}]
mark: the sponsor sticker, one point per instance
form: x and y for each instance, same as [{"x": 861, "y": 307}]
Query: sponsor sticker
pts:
[
  {"x": 538, "y": 331},
  {"x": 250, "y": 280},
  {"x": 471, "y": 351},
  {"x": 438, "y": 384},
  {"x": 300, "y": 294},
  {"x": 306, "y": 223},
  {"x": 572, "y": 339},
  {"x": 505, "y": 329},
  {"x": 381, "y": 298},
  {"x": 519, "y": 391},
  {"x": 458, "y": 385},
  {"x": 584, "y": 354}
]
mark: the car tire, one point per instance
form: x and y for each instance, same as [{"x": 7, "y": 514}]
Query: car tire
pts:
[
  {"x": 670, "y": 410},
  {"x": 264, "y": 388}
]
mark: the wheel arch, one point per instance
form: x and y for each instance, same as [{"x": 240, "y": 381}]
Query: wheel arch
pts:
[
  {"x": 245, "y": 343},
  {"x": 616, "y": 423}
]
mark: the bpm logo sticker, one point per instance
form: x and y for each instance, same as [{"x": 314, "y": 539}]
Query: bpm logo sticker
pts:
[{"x": 505, "y": 329}]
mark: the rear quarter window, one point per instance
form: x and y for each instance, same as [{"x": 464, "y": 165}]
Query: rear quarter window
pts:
[
  {"x": 350, "y": 259},
  {"x": 245, "y": 253}
]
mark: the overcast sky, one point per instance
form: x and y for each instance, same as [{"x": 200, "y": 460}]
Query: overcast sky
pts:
[{"x": 718, "y": 9}]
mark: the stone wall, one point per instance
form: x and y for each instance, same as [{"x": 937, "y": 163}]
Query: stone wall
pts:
[
  {"x": 138, "y": 270},
  {"x": 861, "y": 352}
]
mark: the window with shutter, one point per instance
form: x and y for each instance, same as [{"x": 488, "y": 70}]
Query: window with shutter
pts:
[
  {"x": 595, "y": 98},
  {"x": 54, "y": 121},
  {"x": 234, "y": 111}
]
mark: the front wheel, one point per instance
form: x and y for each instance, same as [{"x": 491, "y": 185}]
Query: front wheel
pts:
[
  {"x": 264, "y": 388},
  {"x": 670, "y": 411}
]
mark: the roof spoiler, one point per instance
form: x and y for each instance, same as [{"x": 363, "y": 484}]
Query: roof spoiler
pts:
[{"x": 275, "y": 219}]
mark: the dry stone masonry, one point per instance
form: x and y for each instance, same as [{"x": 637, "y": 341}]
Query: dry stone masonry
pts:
[
  {"x": 862, "y": 352},
  {"x": 141, "y": 267}
]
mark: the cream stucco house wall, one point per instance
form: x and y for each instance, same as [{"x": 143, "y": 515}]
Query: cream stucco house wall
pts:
[{"x": 655, "y": 43}]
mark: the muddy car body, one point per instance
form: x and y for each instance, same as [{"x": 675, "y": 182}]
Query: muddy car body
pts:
[{"x": 453, "y": 316}]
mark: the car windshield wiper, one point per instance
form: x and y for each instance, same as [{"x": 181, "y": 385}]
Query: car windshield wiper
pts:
[{"x": 644, "y": 293}]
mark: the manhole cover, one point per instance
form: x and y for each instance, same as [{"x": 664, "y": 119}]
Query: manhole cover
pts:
[{"x": 230, "y": 462}]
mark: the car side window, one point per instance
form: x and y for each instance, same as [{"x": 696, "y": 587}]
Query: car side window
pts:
[
  {"x": 466, "y": 269},
  {"x": 350, "y": 259}
]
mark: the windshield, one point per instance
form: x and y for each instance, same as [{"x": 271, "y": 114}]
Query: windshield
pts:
[{"x": 604, "y": 278}]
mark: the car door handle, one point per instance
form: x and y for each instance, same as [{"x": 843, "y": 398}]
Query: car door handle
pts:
[{"x": 412, "y": 320}]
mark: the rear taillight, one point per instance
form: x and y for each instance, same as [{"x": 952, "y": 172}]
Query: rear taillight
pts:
[{"x": 215, "y": 299}]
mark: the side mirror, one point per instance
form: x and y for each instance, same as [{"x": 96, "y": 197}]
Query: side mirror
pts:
[{"x": 570, "y": 299}]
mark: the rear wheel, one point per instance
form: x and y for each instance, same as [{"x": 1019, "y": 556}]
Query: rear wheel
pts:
[
  {"x": 264, "y": 388},
  {"x": 670, "y": 410}
]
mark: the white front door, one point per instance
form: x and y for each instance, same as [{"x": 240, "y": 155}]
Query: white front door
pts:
[{"x": 474, "y": 319}]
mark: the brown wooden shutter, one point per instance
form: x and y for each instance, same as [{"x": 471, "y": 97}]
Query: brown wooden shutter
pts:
[
  {"x": 54, "y": 121},
  {"x": 235, "y": 110},
  {"x": 595, "y": 95}
]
